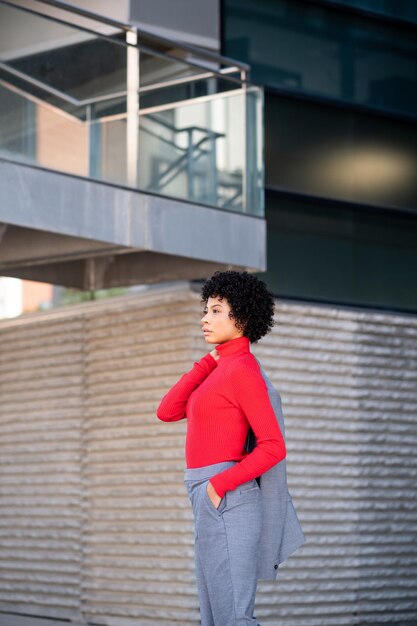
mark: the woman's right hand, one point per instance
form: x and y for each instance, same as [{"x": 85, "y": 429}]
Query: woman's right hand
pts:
[
  {"x": 211, "y": 492},
  {"x": 215, "y": 354}
]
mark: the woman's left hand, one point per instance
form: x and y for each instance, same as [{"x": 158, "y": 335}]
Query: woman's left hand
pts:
[{"x": 213, "y": 495}]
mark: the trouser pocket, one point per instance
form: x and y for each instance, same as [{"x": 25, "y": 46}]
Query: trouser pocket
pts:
[
  {"x": 250, "y": 485},
  {"x": 246, "y": 495},
  {"x": 222, "y": 504}
]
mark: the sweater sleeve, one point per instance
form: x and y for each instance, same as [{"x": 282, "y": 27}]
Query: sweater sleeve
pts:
[
  {"x": 249, "y": 391},
  {"x": 172, "y": 405}
]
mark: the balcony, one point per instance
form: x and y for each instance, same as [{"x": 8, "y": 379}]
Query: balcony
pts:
[{"x": 114, "y": 141}]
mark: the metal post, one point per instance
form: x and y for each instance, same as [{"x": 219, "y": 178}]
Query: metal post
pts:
[
  {"x": 213, "y": 183},
  {"x": 132, "y": 126},
  {"x": 88, "y": 118},
  {"x": 245, "y": 145},
  {"x": 190, "y": 164},
  {"x": 213, "y": 169},
  {"x": 260, "y": 166}
]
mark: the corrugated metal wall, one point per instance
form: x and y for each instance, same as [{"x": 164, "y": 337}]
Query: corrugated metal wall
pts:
[{"x": 95, "y": 522}]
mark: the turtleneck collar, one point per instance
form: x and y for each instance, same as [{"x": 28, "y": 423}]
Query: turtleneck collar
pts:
[{"x": 239, "y": 345}]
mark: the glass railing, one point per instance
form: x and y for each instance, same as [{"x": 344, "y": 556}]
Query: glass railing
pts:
[{"x": 130, "y": 109}]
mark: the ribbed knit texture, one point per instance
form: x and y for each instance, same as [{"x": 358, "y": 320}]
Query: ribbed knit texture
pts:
[{"x": 220, "y": 399}]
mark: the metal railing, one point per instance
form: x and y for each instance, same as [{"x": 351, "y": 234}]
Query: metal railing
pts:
[
  {"x": 233, "y": 65},
  {"x": 229, "y": 189}
]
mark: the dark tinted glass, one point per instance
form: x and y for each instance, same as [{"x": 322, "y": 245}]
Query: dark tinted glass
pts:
[
  {"x": 319, "y": 51},
  {"x": 327, "y": 151},
  {"x": 403, "y": 9},
  {"x": 332, "y": 254}
]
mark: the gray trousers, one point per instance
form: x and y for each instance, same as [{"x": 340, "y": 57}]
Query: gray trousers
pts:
[{"x": 225, "y": 545}]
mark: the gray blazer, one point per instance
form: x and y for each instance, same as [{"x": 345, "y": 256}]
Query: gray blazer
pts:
[{"x": 281, "y": 531}]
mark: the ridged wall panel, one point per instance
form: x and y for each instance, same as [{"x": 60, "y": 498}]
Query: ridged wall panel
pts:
[
  {"x": 96, "y": 525},
  {"x": 348, "y": 385},
  {"x": 138, "y": 552},
  {"x": 41, "y": 486}
]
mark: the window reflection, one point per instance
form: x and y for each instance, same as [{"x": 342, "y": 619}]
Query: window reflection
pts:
[
  {"x": 301, "y": 47},
  {"x": 329, "y": 152},
  {"x": 404, "y": 9},
  {"x": 335, "y": 254}
]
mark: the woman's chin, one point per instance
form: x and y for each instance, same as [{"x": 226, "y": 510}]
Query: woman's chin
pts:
[{"x": 209, "y": 339}]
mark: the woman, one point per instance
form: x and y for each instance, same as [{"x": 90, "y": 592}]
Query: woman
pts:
[{"x": 222, "y": 397}]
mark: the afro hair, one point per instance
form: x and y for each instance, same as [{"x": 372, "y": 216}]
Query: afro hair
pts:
[{"x": 252, "y": 305}]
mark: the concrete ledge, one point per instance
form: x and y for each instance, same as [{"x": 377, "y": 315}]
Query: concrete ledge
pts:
[{"x": 71, "y": 206}]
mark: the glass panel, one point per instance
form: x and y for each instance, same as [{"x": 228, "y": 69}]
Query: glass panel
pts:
[
  {"x": 340, "y": 154},
  {"x": 317, "y": 51},
  {"x": 58, "y": 63},
  {"x": 17, "y": 128},
  {"x": 194, "y": 150},
  {"x": 203, "y": 142},
  {"x": 332, "y": 254},
  {"x": 65, "y": 96},
  {"x": 40, "y": 134},
  {"x": 404, "y": 9}
]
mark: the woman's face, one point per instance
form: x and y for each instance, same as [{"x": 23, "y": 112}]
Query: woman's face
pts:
[{"x": 216, "y": 323}]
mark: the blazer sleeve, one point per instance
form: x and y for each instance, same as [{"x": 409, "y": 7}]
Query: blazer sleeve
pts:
[
  {"x": 249, "y": 391},
  {"x": 172, "y": 405}
]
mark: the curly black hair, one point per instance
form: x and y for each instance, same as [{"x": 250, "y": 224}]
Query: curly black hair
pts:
[{"x": 252, "y": 305}]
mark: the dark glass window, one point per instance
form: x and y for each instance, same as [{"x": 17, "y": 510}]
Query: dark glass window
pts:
[
  {"x": 303, "y": 47},
  {"x": 403, "y": 9},
  {"x": 330, "y": 152},
  {"x": 338, "y": 255}
]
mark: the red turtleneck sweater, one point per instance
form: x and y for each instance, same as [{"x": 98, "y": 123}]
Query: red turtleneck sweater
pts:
[{"x": 220, "y": 399}]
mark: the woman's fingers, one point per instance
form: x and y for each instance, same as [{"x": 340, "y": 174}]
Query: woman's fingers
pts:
[{"x": 213, "y": 495}]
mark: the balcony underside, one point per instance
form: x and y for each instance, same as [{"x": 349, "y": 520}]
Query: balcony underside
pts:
[{"x": 76, "y": 232}]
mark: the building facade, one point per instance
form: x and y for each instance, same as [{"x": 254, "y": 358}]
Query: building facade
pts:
[
  {"x": 340, "y": 144},
  {"x": 96, "y": 526}
]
